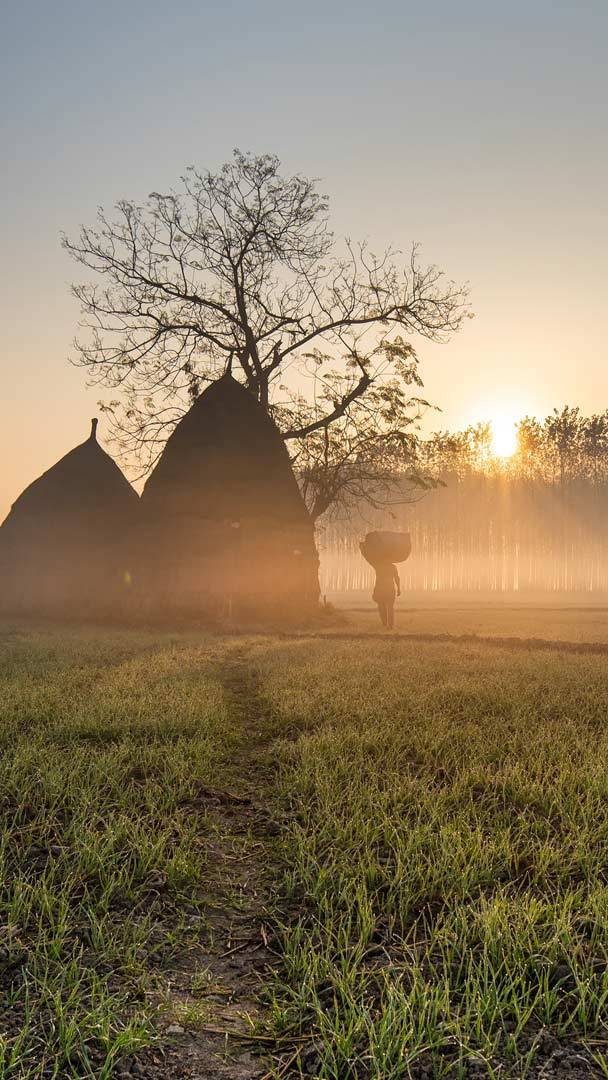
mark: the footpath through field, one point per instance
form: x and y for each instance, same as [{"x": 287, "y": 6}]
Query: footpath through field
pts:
[{"x": 214, "y": 1017}]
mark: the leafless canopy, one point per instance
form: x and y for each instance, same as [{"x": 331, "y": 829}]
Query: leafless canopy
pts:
[{"x": 239, "y": 271}]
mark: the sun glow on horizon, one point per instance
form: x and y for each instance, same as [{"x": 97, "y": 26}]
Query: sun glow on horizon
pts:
[{"x": 504, "y": 436}]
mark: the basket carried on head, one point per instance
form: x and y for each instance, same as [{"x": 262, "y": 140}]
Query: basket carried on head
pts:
[{"x": 386, "y": 547}]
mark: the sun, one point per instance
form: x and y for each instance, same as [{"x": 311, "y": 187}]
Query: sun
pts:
[{"x": 504, "y": 436}]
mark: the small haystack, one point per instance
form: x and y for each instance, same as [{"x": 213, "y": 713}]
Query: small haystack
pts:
[
  {"x": 64, "y": 545},
  {"x": 225, "y": 524}
]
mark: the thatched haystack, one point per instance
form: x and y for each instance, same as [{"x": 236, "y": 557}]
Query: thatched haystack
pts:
[
  {"x": 225, "y": 525},
  {"x": 64, "y": 545}
]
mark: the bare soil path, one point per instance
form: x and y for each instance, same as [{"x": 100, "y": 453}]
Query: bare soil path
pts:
[
  {"x": 211, "y": 1024},
  {"x": 593, "y": 648}
]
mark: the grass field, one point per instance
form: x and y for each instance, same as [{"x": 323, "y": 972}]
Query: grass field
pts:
[{"x": 330, "y": 853}]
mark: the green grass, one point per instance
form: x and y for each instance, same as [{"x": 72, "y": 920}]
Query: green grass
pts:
[
  {"x": 105, "y": 741},
  {"x": 441, "y": 887},
  {"x": 448, "y": 852}
]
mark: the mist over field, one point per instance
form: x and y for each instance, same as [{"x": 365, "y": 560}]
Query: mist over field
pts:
[
  {"x": 530, "y": 523},
  {"x": 487, "y": 536}
]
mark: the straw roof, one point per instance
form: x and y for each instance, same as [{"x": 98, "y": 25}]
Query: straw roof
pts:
[
  {"x": 222, "y": 510},
  {"x": 64, "y": 543},
  {"x": 228, "y": 457}
]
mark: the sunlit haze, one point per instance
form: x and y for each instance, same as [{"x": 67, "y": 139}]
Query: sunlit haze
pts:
[
  {"x": 504, "y": 437},
  {"x": 475, "y": 129}
]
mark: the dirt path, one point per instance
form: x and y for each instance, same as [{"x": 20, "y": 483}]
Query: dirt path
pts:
[
  {"x": 599, "y": 648},
  {"x": 211, "y": 1003}
]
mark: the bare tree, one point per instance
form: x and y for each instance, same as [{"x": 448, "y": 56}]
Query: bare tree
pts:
[{"x": 238, "y": 271}]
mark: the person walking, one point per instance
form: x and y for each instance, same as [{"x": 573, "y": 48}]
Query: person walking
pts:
[{"x": 387, "y": 586}]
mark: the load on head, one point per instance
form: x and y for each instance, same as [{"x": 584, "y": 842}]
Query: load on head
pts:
[{"x": 386, "y": 547}]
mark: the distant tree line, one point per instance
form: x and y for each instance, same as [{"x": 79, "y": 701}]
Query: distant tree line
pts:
[{"x": 562, "y": 449}]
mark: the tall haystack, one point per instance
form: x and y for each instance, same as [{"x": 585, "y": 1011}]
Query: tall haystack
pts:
[
  {"x": 222, "y": 512},
  {"x": 64, "y": 547}
]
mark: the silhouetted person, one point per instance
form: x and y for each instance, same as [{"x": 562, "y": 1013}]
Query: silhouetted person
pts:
[{"x": 387, "y": 586}]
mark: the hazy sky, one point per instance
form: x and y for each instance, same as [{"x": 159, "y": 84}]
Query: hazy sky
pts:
[{"x": 476, "y": 128}]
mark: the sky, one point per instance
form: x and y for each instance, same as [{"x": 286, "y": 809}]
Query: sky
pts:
[{"x": 477, "y": 129}]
